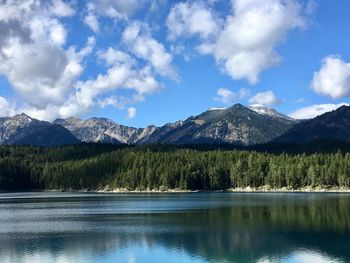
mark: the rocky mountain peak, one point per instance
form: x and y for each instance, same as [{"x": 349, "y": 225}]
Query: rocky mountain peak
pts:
[
  {"x": 22, "y": 118},
  {"x": 260, "y": 109}
]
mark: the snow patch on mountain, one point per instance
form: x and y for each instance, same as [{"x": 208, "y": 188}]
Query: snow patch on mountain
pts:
[
  {"x": 217, "y": 108},
  {"x": 260, "y": 109}
]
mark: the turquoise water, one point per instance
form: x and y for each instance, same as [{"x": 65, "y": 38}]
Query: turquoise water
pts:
[{"x": 174, "y": 227}]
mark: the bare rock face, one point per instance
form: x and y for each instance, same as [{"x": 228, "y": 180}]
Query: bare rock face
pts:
[{"x": 104, "y": 130}]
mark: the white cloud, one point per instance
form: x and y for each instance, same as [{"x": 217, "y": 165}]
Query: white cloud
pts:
[
  {"x": 245, "y": 44},
  {"x": 61, "y": 8},
  {"x": 314, "y": 110},
  {"x": 120, "y": 75},
  {"x": 91, "y": 21},
  {"x": 114, "y": 57},
  {"x": 90, "y": 18},
  {"x": 138, "y": 38},
  {"x": 227, "y": 96},
  {"x": 333, "y": 78},
  {"x": 117, "y": 9},
  {"x": 41, "y": 69},
  {"x": 119, "y": 102},
  {"x": 33, "y": 55},
  {"x": 186, "y": 19},
  {"x": 6, "y": 108},
  {"x": 131, "y": 113},
  {"x": 266, "y": 98},
  {"x": 45, "y": 72},
  {"x": 110, "y": 101}
]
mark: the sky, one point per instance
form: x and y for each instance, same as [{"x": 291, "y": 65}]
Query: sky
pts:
[{"x": 143, "y": 62}]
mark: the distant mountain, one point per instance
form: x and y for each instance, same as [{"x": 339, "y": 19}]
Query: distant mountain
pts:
[
  {"x": 22, "y": 129},
  {"x": 334, "y": 125},
  {"x": 104, "y": 130},
  {"x": 237, "y": 124}
]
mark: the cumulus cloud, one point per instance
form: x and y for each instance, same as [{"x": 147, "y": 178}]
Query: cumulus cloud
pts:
[
  {"x": 191, "y": 18},
  {"x": 119, "y": 102},
  {"x": 6, "y": 108},
  {"x": 91, "y": 18},
  {"x": 121, "y": 74},
  {"x": 139, "y": 40},
  {"x": 61, "y": 8},
  {"x": 45, "y": 72},
  {"x": 266, "y": 98},
  {"x": 119, "y": 9},
  {"x": 113, "y": 56},
  {"x": 42, "y": 69},
  {"x": 32, "y": 55},
  {"x": 131, "y": 113},
  {"x": 227, "y": 96},
  {"x": 245, "y": 44},
  {"x": 315, "y": 110},
  {"x": 114, "y": 9},
  {"x": 110, "y": 101},
  {"x": 333, "y": 78}
]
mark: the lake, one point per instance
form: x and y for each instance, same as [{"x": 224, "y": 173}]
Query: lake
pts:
[{"x": 175, "y": 227}]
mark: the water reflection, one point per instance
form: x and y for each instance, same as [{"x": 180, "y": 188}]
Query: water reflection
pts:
[{"x": 201, "y": 227}]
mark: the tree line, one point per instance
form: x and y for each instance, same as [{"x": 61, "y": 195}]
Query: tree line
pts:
[{"x": 161, "y": 167}]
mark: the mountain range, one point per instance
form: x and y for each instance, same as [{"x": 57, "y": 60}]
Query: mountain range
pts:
[{"x": 242, "y": 125}]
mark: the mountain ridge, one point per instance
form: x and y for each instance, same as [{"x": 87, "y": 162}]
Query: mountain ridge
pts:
[
  {"x": 218, "y": 125},
  {"x": 22, "y": 129},
  {"x": 333, "y": 125},
  {"x": 238, "y": 124}
]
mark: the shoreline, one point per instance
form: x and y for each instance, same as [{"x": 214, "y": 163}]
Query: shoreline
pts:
[
  {"x": 165, "y": 191},
  {"x": 230, "y": 190}
]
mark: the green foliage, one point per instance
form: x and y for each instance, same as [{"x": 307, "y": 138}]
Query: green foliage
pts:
[{"x": 95, "y": 166}]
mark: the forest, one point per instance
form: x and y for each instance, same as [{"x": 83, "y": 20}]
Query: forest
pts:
[{"x": 163, "y": 167}]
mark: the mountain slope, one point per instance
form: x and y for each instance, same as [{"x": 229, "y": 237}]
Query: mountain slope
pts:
[
  {"x": 17, "y": 127},
  {"x": 53, "y": 135},
  {"x": 22, "y": 129},
  {"x": 237, "y": 124},
  {"x": 334, "y": 125}
]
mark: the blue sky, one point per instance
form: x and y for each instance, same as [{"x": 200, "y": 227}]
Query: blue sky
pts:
[{"x": 143, "y": 62}]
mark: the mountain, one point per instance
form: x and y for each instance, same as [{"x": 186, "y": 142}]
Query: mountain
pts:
[
  {"x": 22, "y": 129},
  {"x": 334, "y": 125},
  {"x": 52, "y": 135},
  {"x": 237, "y": 124},
  {"x": 104, "y": 130}
]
